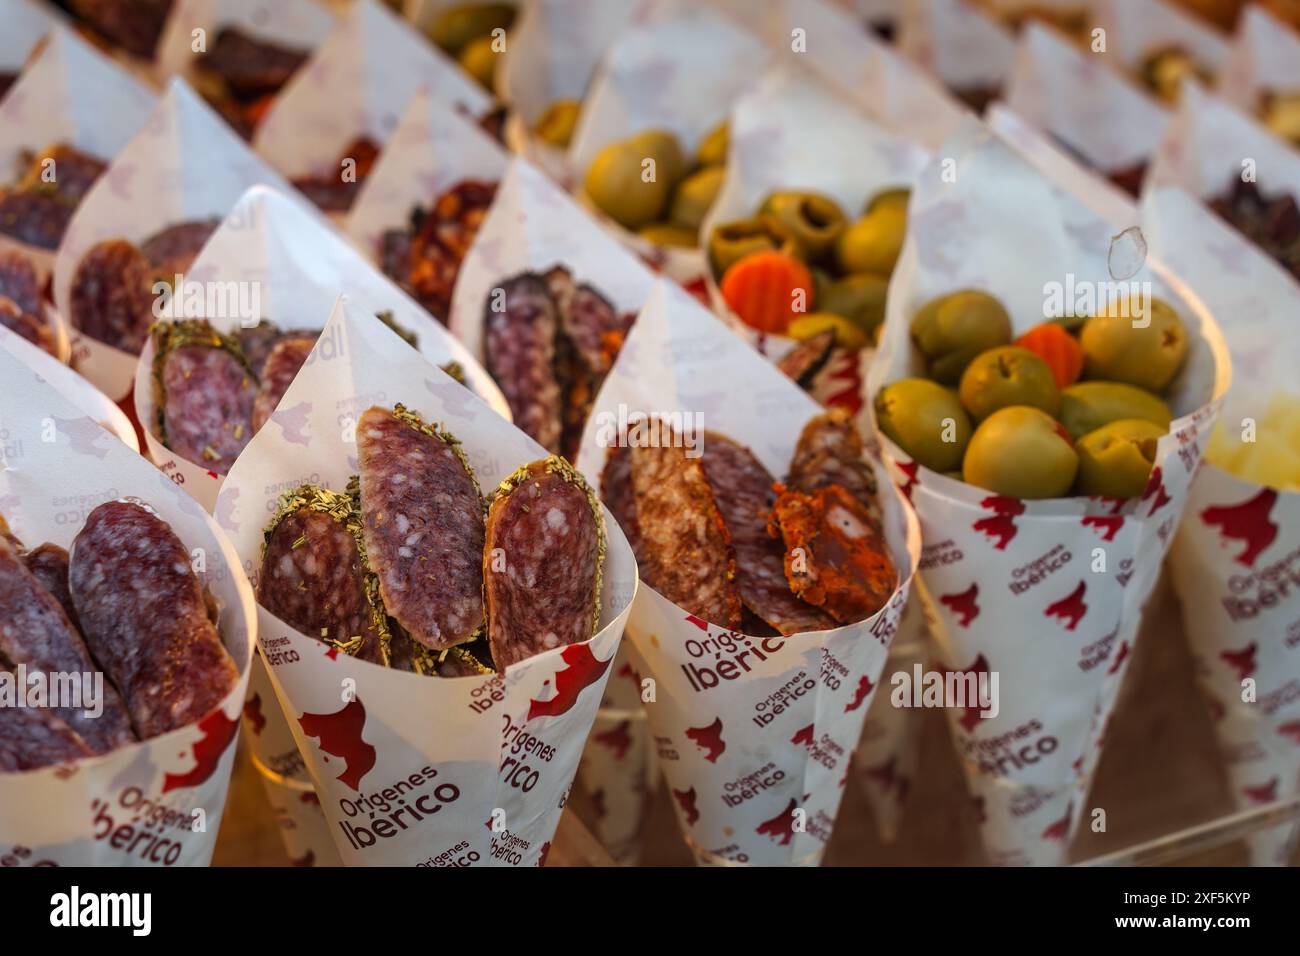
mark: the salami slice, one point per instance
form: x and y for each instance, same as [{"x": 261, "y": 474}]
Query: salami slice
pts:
[
  {"x": 112, "y": 296},
  {"x": 521, "y": 325},
  {"x": 616, "y": 491},
  {"x": 143, "y": 614},
  {"x": 542, "y": 562},
  {"x": 742, "y": 488},
  {"x": 49, "y": 565},
  {"x": 65, "y": 171},
  {"x": 422, "y": 520},
  {"x": 835, "y": 555},
  {"x": 830, "y": 452},
  {"x": 36, "y": 218},
  {"x": 687, "y": 551},
  {"x": 36, "y": 633},
  {"x": 250, "y": 66},
  {"x": 802, "y": 363},
  {"x": 256, "y": 343},
  {"x": 31, "y": 738},
  {"x": 278, "y": 373},
  {"x": 204, "y": 393},
  {"x": 174, "y": 249}
]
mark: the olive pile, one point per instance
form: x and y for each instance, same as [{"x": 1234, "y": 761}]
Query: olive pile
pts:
[
  {"x": 799, "y": 267},
  {"x": 1072, "y": 406},
  {"x": 465, "y": 31},
  {"x": 645, "y": 184}
]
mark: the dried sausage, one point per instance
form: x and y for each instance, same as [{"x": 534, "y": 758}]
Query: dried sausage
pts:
[
  {"x": 278, "y": 372},
  {"x": 112, "y": 297},
  {"x": 519, "y": 342}
]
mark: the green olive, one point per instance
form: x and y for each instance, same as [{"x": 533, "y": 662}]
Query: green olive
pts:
[
  {"x": 479, "y": 60},
  {"x": 1116, "y": 459},
  {"x": 1086, "y": 406},
  {"x": 1127, "y": 343},
  {"x": 1021, "y": 452},
  {"x": 872, "y": 244},
  {"x": 925, "y": 420},
  {"x": 815, "y": 222},
  {"x": 661, "y": 146},
  {"x": 712, "y": 150},
  {"x": 847, "y": 334},
  {"x": 558, "y": 123},
  {"x": 615, "y": 185},
  {"x": 859, "y": 298},
  {"x": 1008, "y": 375},
  {"x": 732, "y": 241},
  {"x": 694, "y": 197},
  {"x": 670, "y": 234},
  {"x": 897, "y": 198},
  {"x": 459, "y": 25},
  {"x": 952, "y": 329}
]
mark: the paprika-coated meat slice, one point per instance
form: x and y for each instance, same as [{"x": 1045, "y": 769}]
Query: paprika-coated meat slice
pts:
[
  {"x": 829, "y": 452},
  {"x": 835, "y": 555},
  {"x": 687, "y": 551},
  {"x": 278, "y": 372},
  {"x": 742, "y": 488},
  {"x": 520, "y": 324},
  {"x": 112, "y": 295},
  {"x": 422, "y": 520},
  {"x": 35, "y": 632},
  {"x": 204, "y": 393},
  {"x": 143, "y": 614},
  {"x": 33, "y": 737},
  {"x": 542, "y": 562}
]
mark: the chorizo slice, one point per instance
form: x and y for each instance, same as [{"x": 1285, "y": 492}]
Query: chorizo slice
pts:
[
  {"x": 829, "y": 452},
  {"x": 542, "y": 562},
  {"x": 144, "y": 616},
  {"x": 521, "y": 324},
  {"x": 422, "y": 522}
]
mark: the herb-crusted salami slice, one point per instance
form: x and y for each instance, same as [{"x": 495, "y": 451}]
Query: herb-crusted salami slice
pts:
[
  {"x": 278, "y": 372},
  {"x": 112, "y": 297},
  {"x": 542, "y": 562},
  {"x": 143, "y": 613},
  {"x": 742, "y": 488},
  {"x": 35, "y": 632},
  {"x": 422, "y": 520},
  {"x": 687, "y": 551},
  {"x": 519, "y": 343},
  {"x": 31, "y": 738},
  {"x": 204, "y": 393}
]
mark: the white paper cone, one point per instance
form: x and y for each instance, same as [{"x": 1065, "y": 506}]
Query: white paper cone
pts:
[
  {"x": 26, "y": 24},
  {"x": 184, "y": 164},
  {"x": 70, "y": 93},
  {"x": 275, "y": 247},
  {"x": 1134, "y": 31},
  {"x": 433, "y": 148},
  {"x": 356, "y": 84},
  {"x": 486, "y": 752},
  {"x": 957, "y": 42},
  {"x": 1265, "y": 58},
  {"x": 1234, "y": 560},
  {"x": 142, "y": 804},
  {"x": 745, "y": 752},
  {"x": 1014, "y": 588}
]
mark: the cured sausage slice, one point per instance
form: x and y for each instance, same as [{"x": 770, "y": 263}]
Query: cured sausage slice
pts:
[
  {"x": 31, "y": 738},
  {"x": 250, "y": 66},
  {"x": 18, "y": 281},
  {"x": 36, "y": 218},
  {"x": 542, "y": 562},
  {"x": 742, "y": 488},
  {"x": 143, "y": 614},
  {"x": 204, "y": 393},
  {"x": 174, "y": 249},
  {"x": 112, "y": 297},
  {"x": 49, "y": 565},
  {"x": 687, "y": 551},
  {"x": 521, "y": 325},
  {"x": 35, "y": 632},
  {"x": 422, "y": 521},
  {"x": 805, "y": 360},
  {"x": 278, "y": 372},
  {"x": 830, "y": 452},
  {"x": 616, "y": 491}
]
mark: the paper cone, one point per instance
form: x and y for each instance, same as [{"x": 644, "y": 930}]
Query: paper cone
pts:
[
  {"x": 1134, "y": 31},
  {"x": 1045, "y": 594},
  {"x": 153, "y": 803},
  {"x": 276, "y": 247},
  {"x": 756, "y": 764},
  {"x": 185, "y": 163},
  {"x": 1264, "y": 58},
  {"x": 26, "y": 24},
  {"x": 957, "y": 42},
  {"x": 1234, "y": 559},
  {"x": 487, "y": 761}
]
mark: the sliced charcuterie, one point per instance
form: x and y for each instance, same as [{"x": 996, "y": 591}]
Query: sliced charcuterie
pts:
[
  {"x": 521, "y": 323},
  {"x": 830, "y": 452},
  {"x": 112, "y": 297},
  {"x": 277, "y": 374},
  {"x": 31, "y": 738}
]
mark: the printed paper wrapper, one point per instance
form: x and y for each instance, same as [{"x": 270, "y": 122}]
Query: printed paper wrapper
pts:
[
  {"x": 888, "y": 753},
  {"x": 888, "y": 86},
  {"x": 532, "y": 226},
  {"x": 70, "y": 93},
  {"x": 753, "y": 734},
  {"x": 1134, "y": 31},
  {"x": 679, "y": 70},
  {"x": 1087, "y": 106},
  {"x": 792, "y": 132},
  {"x": 1047, "y": 595},
  {"x": 957, "y": 42},
  {"x": 26, "y": 24},
  {"x": 303, "y": 827},
  {"x": 1264, "y": 58},
  {"x": 1236, "y": 559},
  {"x": 278, "y": 245},
  {"x": 184, "y": 164},
  {"x": 469, "y": 753},
  {"x": 433, "y": 148},
  {"x": 554, "y": 48},
  {"x": 88, "y": 400},
  {"x": 357, "y": 83},
  {"x": 293, "y": 24},
  {"x": 153, "y": 803}
]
